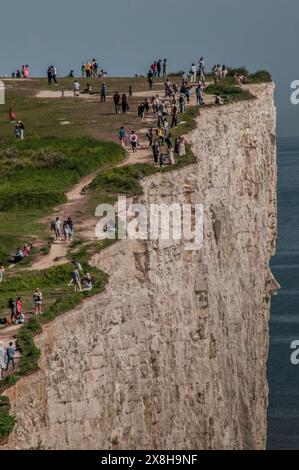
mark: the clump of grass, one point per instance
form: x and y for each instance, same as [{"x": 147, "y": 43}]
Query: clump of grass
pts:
[
  {"x": 261, "y": 76},
  {"x": 7, "y": 422},
  {"x": 229, "y": 92}
]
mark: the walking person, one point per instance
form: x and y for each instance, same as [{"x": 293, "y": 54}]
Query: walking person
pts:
[
  {"x": 19, "y": 308},
  {"x": 70, "y": 224},
  {"x": 38, "y": 300},
  {"x": 181, "y": 146},
  {"x": 165, "y": 68},
  {"x": 10, "y": 351},
  {"x": 3, "y": 359},
  {"x": 50, "y": 75},
  {"x": 174, "y": 113},
  {"x": 56, "y": 226},
  {"x": 193, "y": 73},
  {"x": 156, "y": 150},
  {"x": 122, "y": 135},
  {"x": 76, "y": 88},
  {"x": 159, "y": 68},
  {"x": 201, "y": 71},
  {"x": 116, "y": 100},
  {"x": 130, "y": 92},
  {"x": 124, "y": 104},
  {"x": 103, "y": 92},
  {"x": 199, "y": 91},
  {"x": 182, "y": 103},
  {"x": 76, "y": 281},
  {"x": 150, "y": 79},
  {"x": 149, "y": 135},
  {"x": 13, "y": 309},
  {"x": 134, "y": 141},
  {"x": 67, "y": 232}
]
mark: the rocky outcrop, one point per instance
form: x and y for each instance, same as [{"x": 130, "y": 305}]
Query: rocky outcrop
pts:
[{"x": 173, "y": 354}]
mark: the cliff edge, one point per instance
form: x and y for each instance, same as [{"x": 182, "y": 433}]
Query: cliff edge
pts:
[{"x": 173, "y": 354}]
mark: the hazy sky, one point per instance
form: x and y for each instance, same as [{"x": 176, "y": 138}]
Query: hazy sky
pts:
[{"x": 125, "y": 35}]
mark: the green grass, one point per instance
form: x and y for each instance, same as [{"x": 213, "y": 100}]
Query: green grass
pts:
[
  {"x": 230, "y": 92},
  {"x": 35, "y": 173},
  {"x": 7, "y": 421},
  {"x": 126, "y": 180}
]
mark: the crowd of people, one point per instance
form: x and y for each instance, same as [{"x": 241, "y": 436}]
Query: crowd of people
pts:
[
  {"x": 166, "y": 111},
  {"x": 164, "y": 146}
]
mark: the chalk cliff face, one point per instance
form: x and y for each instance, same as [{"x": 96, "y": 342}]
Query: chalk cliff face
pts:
[{"x": 173, "y": 354}]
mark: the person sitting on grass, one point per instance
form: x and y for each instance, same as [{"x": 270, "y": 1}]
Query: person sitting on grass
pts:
[
  {"x": 218, "y": 100},
  {"x": 87, "y": 90},
  {"x": 38, "y": 300},
  {"x": 87, "y": 281},
  {"x": 18, "y": 256},
  {"x": 26, "y": 250}
]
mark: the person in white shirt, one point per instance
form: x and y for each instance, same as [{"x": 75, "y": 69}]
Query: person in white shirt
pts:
[
  {"x": 193, "y": 73},
  {"x": 76, "y": 88}
]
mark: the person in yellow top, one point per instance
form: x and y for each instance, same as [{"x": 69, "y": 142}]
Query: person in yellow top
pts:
[
  {"x": 161, "y": 135},
  {"x": 88, "y": 69}
]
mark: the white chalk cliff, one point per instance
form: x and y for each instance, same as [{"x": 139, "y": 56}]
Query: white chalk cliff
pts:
[{"x": 173, "y": 354}]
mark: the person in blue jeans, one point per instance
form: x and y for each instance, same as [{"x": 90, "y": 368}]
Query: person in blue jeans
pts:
[{"x": 10, "y": 352}]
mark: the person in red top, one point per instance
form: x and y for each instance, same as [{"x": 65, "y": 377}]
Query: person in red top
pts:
[
  {"x": 19, "y": 308},
  {"x": 12, "y": 115}
]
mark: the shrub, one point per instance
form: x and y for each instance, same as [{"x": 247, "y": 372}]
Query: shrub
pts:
[
  {"x": 7, "y": 421},
  {"x": 261, "y": 76}
]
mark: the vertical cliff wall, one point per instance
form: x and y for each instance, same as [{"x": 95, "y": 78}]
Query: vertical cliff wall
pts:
[{"x": 173, "y": 354}]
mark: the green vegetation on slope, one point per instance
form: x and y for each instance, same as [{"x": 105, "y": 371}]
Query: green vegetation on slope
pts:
[
  {"x": 35, "y": 175},
  {"x": 37, "y": 172}
]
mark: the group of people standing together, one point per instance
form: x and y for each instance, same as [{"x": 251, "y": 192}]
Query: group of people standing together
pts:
[
  {"x": 17, "y": 317},
  {"x": 23, "y": 72},
  {"x": 90, "y": 69},
  {"x": 63, "y": 230}
]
